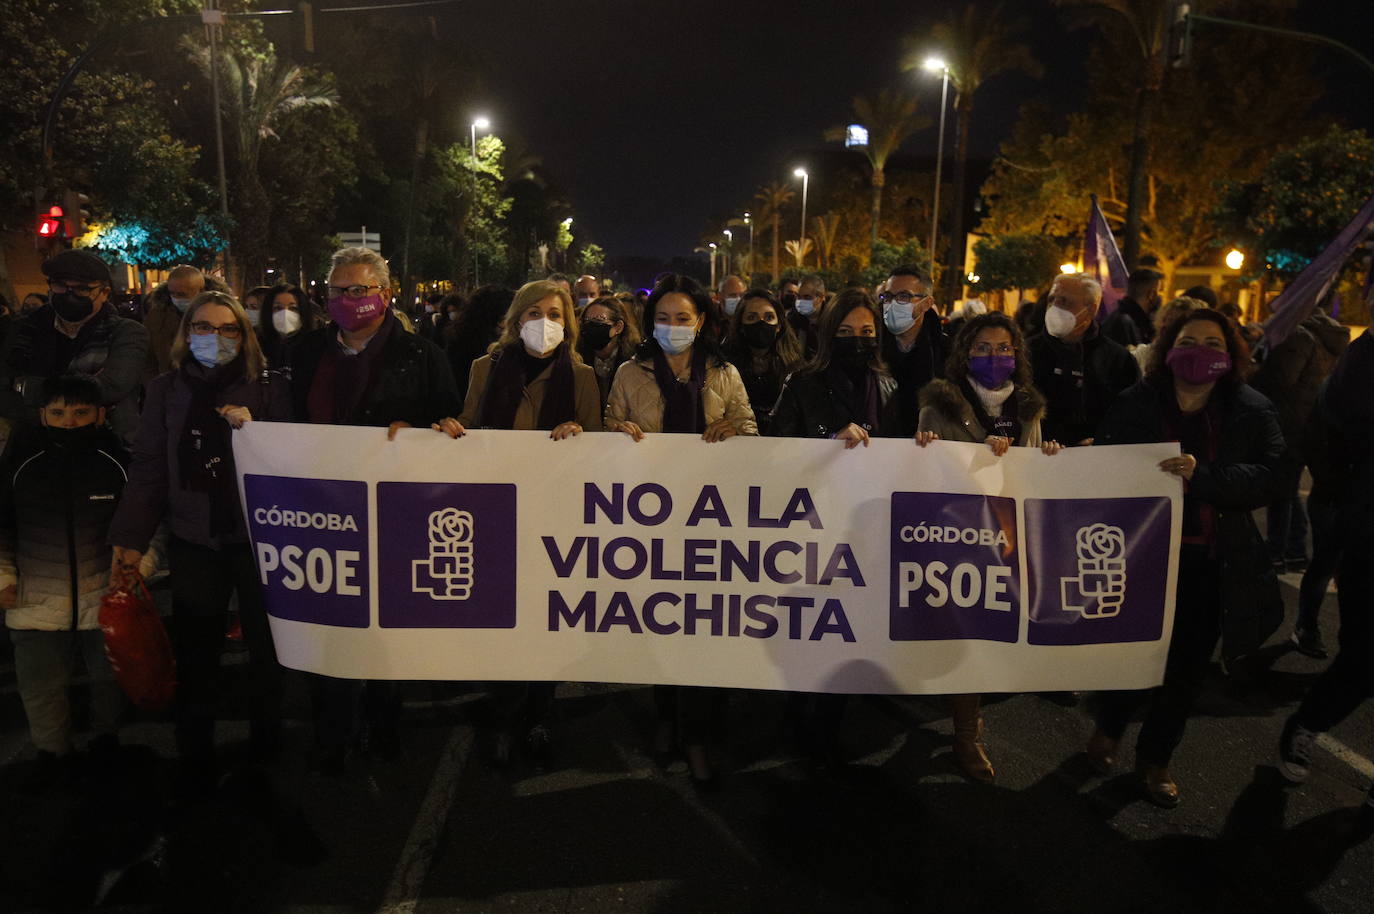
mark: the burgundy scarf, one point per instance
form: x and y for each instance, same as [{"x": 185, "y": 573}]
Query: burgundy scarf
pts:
[
  {"x": 683, "y": 410},
  {"x": 506, "y": 387}
]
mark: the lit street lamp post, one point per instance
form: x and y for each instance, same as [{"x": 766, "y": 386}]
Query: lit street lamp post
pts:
[
  {"x": 729, "y": 250},
  {"x": 749, "y": 221},
  {"x": 712, "y": 246},
  {"x": 801, "y": 238},
  {"x": 934, "y": 64},
  {"x": 480, "y": 124}
]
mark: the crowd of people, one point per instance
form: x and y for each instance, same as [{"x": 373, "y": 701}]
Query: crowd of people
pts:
[{"x": 119, "y": 462}]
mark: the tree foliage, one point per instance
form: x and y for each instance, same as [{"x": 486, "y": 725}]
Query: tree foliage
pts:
[{"x": 1019, "y": 261}]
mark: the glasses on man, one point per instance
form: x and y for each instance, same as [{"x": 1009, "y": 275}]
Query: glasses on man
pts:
[
  {"x": 989, "y": 349},
  {"x": 352, "y": 291},
  {"x": 84, "y": 289},
  {"x": 903, "y": 297},
  {"x": 228, "y": 331}
]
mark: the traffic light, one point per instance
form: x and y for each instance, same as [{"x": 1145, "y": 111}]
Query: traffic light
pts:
[
  {"x": 78, "y": 214},
  {"x": 48, "y": 231},
  {"x": 1180, "y": 49}
]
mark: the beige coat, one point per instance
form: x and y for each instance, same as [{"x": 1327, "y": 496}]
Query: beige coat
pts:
[
  {"x": 635, "y": 398},
  {"x": 586, "y": 397},
  {"x": 946, "y": 412}
]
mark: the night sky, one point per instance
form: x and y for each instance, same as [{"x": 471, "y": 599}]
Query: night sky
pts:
[{"x": 656, "y": 115}]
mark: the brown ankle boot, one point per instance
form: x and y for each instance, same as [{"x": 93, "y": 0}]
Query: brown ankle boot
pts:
[
  {"x": 1160, "y": 787},
  {"x": 1101, "y": 752},
  {"x": 969, "y": 753}
]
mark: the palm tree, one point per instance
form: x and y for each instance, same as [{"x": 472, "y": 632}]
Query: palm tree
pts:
[
  {"x": 799, "y": 250},
  {"x": 1147, "y": 22},
  {"x": 825, "y": 228},
  {"x": 890, "y": 117},
  {"x": 977, "y": 43},
  {"x": 260, "y": 90},
  {"x": 771, "y": 200}
]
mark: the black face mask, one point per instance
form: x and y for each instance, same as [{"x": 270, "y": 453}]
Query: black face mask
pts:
[
  {"x": 853, "y": 351},
  {"x": 71, "y": 307},
  {"x": 596, "y": 335},
  {"x": 82, "y": 436},
  {"x": 759, "y": 334}
]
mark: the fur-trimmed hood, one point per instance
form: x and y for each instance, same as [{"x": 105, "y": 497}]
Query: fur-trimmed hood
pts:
[{"x": 946, "y": 398}]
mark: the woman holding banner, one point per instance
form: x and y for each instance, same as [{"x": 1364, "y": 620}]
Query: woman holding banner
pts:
[
  {"x": 987, "y": 397},
  {"x": 847, "y": 394},
  {"x": 680, "y": 382},
  {"x": 183, "y": 472},
  {"x": 1194, "y": 393},
  {"x": 533, "y": 379}
]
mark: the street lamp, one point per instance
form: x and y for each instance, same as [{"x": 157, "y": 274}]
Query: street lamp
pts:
[
  {"x": 712, "y": 246},
  {"x": 729, "y": 249},
  {"x": 1068, "y": 268},
  {"x": 1235, "y": 259},
  {"x": 938, "y": 65},
  {"x": 480, "y": 123},
  {"x": 806, "y": 181}
]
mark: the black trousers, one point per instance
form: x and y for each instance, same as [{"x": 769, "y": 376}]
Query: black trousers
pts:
[
  {"x": 1197, "y": 627},
  {"x": 695, "y": 711},
  {"x": 1327, "y": 546},
  {"x": 203, "y": 580},
  {"x": 1349, "y": 680}
]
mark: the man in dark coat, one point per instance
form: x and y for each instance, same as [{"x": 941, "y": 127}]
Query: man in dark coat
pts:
[
  {"x": 1132, "y": 323},
  {"x": 916, "y": 346},
  {"x": 1078, "y": 370},
  {"x": 77, "y": 332}
]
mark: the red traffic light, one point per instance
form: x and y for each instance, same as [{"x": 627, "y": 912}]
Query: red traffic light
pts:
[{"x": 50, "y": 225}]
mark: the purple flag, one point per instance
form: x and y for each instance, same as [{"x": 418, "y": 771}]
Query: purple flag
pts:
[
  {"x": 1102, "y": 259},
  {"x": 1295, "y": 303}
]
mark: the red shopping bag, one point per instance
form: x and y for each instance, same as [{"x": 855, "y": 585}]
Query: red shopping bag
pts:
[{"x": 138, "y": 647}]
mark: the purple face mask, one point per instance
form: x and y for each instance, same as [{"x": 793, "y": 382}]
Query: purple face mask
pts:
[
  {"x": 356, "y": 313},
  {"x": 991, "y": 371},
  {"x": 1198, "y": 364}
]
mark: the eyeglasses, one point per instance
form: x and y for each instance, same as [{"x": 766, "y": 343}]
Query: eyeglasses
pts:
[
  {"x": 352, "y": 291},
  {"x": 85, "y": 290},
  {"x": 989, "y": 349},
  {"x": 903, "y": 297},
  {"x": 228, "y": 331}
]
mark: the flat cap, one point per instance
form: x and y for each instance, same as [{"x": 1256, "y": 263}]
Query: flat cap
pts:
[{"x": 76, "y": 264}]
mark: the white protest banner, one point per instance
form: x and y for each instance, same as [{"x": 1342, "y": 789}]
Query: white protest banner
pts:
[{"x": 764, "y": 563}]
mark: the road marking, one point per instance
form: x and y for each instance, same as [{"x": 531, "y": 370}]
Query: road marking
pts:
[
  {"x": 1343, "y": 752},
  {"x": 403, "y": 894}
]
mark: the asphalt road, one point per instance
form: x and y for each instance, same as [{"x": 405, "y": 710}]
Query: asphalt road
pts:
[{"x": 601, "y": 828}]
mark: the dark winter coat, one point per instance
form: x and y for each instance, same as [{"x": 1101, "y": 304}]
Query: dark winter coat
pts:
[
  {"x": 56, "y": 502},
  {"x": 1292, "y": 374},
  {"x": 155, "y": 491},
  {"x": 1079, "y": 382},
  {"x": 413, "y": 382},
  {"x": 915, "y": 369},
  {"x": 1129, "y": 325},
  {"x": 108, "y": 348},
  {"x": 812, "y": 406},
  {"x": 1241, "y": 479},
  {"x": 1346, "y": 414}
]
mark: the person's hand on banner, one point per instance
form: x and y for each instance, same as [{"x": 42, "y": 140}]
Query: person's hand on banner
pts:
[
  {"x": 924, "y": 438},
  {"x": 1050, "y": 448},
  {"x": 629, "y": 428},
  {"x": 393, "y": 427},
  {"x": 998, "y": 443},
  {"x": 561, "y": 431},
  {"x": 454, "y": 429},
  {"x": 124, "y": 567},
  {"x": 1182, "y": 466},
  {"x": 719, "y": 430},
  {"x": 852, "y": 435},
  {"x": 236, "y": 416}
]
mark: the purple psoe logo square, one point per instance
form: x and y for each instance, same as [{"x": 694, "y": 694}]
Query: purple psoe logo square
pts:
[
  {"x": 955, "y": 572},
  {"x": 446, "y": 555},
  {"x": 1097, "y": 569},
  {"x": 310, "y": 541}
]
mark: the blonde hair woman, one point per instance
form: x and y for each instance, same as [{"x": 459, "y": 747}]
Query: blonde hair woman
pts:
[{"x": 183, "y": 472}]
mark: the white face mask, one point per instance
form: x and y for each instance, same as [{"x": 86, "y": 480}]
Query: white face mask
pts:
[
  {"x": 254, "y": 315},
  {"x": 899, "y": 317},
  {"x": 1059, "y": 322},
  {"x": 541, "y": 335},
  {"x": 805, "y": 306},
  {"x": 287, "y": 322},
  {"x": 674, "y": 339},
  {"x": 181, "y": 304},
  {"x": 730, "y": 305}
]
